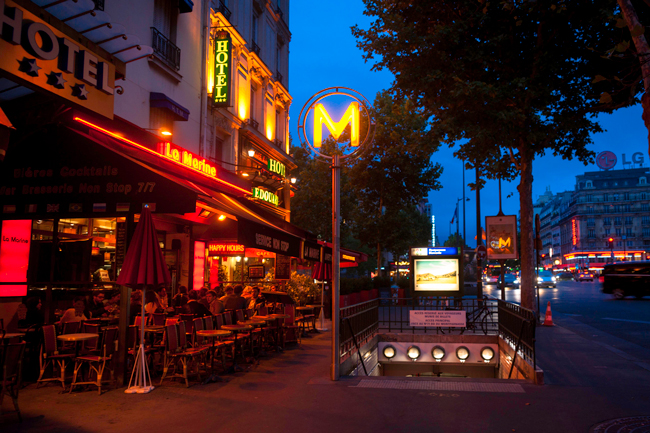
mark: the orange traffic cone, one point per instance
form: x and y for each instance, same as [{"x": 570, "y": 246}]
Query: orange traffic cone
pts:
[{"x": 548, "y": 320}]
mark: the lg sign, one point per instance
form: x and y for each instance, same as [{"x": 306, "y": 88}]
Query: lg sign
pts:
[{"x": 607, "y": 160}]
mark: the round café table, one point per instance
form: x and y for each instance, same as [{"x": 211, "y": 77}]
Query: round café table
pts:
[
  {"x": 314, "y": 306},
  {"x": 255, "y": 323},
  {"x": 278, "y": 325},
  {"x": 9, "y": 335},
  {"x": 76, "y": 339},
  {"x": 213, "y": 334},
  {"x": 236, "y": 329}
]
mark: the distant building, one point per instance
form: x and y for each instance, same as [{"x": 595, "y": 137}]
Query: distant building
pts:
[{"x": 576, "y": 225}]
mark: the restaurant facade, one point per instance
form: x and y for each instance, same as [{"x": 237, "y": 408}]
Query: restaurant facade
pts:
[{"x": 84, "y": 148}]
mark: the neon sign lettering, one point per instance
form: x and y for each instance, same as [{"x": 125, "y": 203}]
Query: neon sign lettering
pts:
[
  {"x": 222, "y": 56},
  {"x": 266, "y": 196},
  {"x": 322, "y": 117},
  {"x": 276, "y": 167},
  {"x": 178, "y": 154},
  {"x": 225, "y": 249}
]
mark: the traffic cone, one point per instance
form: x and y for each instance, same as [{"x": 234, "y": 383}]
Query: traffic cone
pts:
[{"x": 548, "y": 320}]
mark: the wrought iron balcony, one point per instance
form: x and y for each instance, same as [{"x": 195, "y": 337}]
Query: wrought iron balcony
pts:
[
  {"x": 99, "y": 5},
  {"x": 255, "y": 48},
  {"x": 278, "y": 77},
  {"x": 278, "y": 143},
  {"x": 165, "y": 49},
  {"x": 224, "y": 10},
  {"x": 253, "y": 123}
]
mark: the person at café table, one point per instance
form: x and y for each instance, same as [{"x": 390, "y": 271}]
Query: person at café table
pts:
[
  {"x": 257, "y": 300},
  {"x": 181, "y": 297},
  {"x": 112, "y": 303},
  {"x": 153, "y": 304},
  {"x": 193, "y": 306},
  {"x": 77, "y": 313},
  {"x": 96, "y": 305},
  {"x": 233, "y": 299},
  {"x": 216, "y": 307}
]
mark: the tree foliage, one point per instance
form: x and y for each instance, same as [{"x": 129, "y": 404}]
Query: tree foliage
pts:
[{"x": 509, "y": 80}]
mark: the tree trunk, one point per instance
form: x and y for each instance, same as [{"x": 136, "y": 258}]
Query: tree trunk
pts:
[
  {"x": 643, "y": 52},
  {"x": 527, "y": 231}
]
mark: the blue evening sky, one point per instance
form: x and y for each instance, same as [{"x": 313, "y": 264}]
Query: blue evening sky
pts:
[{"x": 323, "y": 54}]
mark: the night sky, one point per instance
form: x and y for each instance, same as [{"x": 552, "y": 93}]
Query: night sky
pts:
[{"x": 323, "y": 54}]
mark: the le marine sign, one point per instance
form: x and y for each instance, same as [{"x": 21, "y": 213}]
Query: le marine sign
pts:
[{"x": 38, "y": 55}]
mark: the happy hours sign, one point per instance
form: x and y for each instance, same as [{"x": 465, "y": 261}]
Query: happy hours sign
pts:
[{"x": 442, "y": 318}]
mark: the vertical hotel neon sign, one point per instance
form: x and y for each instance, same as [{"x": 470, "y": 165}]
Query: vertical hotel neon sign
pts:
[{"x": 222, "y": 65}]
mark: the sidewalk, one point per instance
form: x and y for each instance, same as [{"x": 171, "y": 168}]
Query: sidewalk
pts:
[{"x": 291, "y": 391}]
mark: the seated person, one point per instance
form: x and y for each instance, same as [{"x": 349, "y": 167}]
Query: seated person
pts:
[
  {"x": 136, "y": 306},
  {"x": 153, "y": 304},
  {"x": 96, "y": 305},
  {"x": 34, "y": 315},
  {"x": 257, "y": 300},
  {"x": 77, "y": 313},
  {"x": 112, "y": 303},
  {"x": 216, "y": 307},
  {"x": 181, "y": 297},
  {"x": 233, "y": 299},
  {"x": 193, "y": 306}
]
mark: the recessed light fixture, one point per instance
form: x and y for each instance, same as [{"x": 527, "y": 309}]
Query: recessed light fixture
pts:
[
  {"x": 413, "y": 352},
  {"x": 462, "y": 353},
  {"x": 221, "y": 217},
  {"x": 438, "y": 353},
  {"x": 389, "y": 352},
  {"x": 251, "y": 153},
  {"x": 487, "y": 353}
]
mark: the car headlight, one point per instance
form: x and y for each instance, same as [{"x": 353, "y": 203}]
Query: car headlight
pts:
[
  {"x": 539, "y": 279},
  {"x": 517, "y": 281},
  {"x": 554, "y": 279}
]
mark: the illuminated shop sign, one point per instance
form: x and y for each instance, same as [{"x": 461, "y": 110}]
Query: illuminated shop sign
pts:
[
  {"x": 349, "y": 258},
  {"x": 607, "y": 160},
  {"x": 14, "y": 256},
  {"x": 322, "y": 117},
  {"x": 575, "y": 232},
  {"x": 222, "y": 66},
  {"x": 36, "y": 53},
  {"x": 188, "y": 159},
  {"x": 266, "y": 196},
  {"x": 310, "y": 251},
  {"x": 225, "y": 249},
  {"x": 276, "y": 167},
  {"x": 199, "y": 265},
  {"x": 501, "y": 237}
]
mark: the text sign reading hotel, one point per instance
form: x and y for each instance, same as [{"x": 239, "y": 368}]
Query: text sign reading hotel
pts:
[
  {"x": 14, "y": 256},
  {"x": 434, "y": 319},
  {"x": 38, "y": 54},
  {"x": 225, "y": 249},
  {"x": 276, "y": 167},
  {"x": 222, "y": 66}
]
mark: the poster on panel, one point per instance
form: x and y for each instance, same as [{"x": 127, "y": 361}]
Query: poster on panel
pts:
[{"x": 501, "y": 237}]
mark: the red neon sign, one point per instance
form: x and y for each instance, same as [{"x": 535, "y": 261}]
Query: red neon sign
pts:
[
  {"x": 225, "y": 249},
  {"x": 199, "y": 264},
  {"x": 14, "y": 256},
  {"x": 158, "y": 154},
  {"x": 574, "y": 230}
]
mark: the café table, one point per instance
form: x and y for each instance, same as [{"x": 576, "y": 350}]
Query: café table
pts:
[
  {"x": 76, "y": 339},
  {"x": 320, "y": 309},
  {"x": 236, "y": 329},
  {"x": 9, "y": 335},
  {"x": 305, "y": 310},
  {"x": 212, "y": 334},
  {"x": 278, "y": 325},
  {"x": 255, "y": 323}
]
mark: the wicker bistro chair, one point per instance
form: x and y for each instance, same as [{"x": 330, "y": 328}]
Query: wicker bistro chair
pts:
[
  {"x": 177, "y": 357},
  {"x": 97, "y": 363},
  {"x": 292, "y": 331},
  {"x": 51, "y": 356},
  {"x": 11, "y": 374},
  {"x": 93, "y": 345}
]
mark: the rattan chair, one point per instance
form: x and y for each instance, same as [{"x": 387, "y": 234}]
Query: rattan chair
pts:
[
  {"x": 51, "y": 356},
  {"x": 12, "y": 361},
  {"x": 176, "y": 357},
  {"x": 97, "y": 363}
]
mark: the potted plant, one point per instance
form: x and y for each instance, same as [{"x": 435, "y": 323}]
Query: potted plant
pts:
[{"x": 301, "y": 288}]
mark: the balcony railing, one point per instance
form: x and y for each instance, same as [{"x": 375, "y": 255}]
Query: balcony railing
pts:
[
  {"x": 255, "y": 48},
  {"x": 223, "y": 9},
  {"x": 165, "y": 49},
  {"x": 278, "y": 143},
  {"x": 278, "y": 77},
  {"x": 253, "y": 123},
  {"x": 99, "y": 5}
]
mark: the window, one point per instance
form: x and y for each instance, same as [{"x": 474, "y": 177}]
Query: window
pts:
[
  {"x": 626, "y": 196},
  {"x": 628, "y": 231},
  {"x": 615, "y": 195},
  {"x": 626, "y": 208},
  {"x": 630, "y": 243},
  {"x": 591, "y": 233},
  {"x": 607, "y": 221},
  {"x": 645, "y": 207},
  {"x": 628, "y": 220},
  {"x": 590, "y": 198},
  {"x": 605, "y": 196},
  {"x": 589, "y": 184},
  {"x": 607, "y": 231},
  {"x": 590, "y": 209},
  {"x": 163, "y": 36},
  {"x": 618, "y": 232},
  {"x": 590, "y": 222},
  {"x": 643, "y": 196},
  {"x": 646, "y": 232},
  {"x": 619, "y": 243},
  {"x": 255, "y": 26},
  {"x": 645, "y": 220},
  {"x": 642, "y": 180},
  {"x": 617, "y": 221}
]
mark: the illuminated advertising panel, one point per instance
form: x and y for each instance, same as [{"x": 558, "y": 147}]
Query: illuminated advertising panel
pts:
[
  {"x": 199, "y": 265},
  {"x": 501, "y": 237},
  {"x": 436, "y": 272},
  {"x": 222, "y": 67},
  {"x": 14, "y": 256}
]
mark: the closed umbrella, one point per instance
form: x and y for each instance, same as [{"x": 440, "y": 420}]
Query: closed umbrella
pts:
[{"x": 144, "y": 266}]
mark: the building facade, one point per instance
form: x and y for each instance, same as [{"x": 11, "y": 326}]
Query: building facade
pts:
[{"x": 577, "y": 226}]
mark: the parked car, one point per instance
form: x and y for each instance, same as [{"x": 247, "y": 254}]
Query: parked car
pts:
[
  {"x": 585, "y": 276},
  {"x": 546, "y": 279},
  {"x": 492, "y": 276},
  {"x": 564, "y": 276},
  {"x": 627, "y": 279}
]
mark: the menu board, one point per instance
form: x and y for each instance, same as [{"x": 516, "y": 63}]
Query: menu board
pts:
[
  {"x": 256, "y": 271},
  {"x": 120, "y": 244},
  {"x": 282, "y": 267}
]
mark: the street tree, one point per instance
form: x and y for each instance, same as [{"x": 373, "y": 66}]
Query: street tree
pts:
[
  {"x": 505, "y": 81},
  {"x": 393, "y": 175}
]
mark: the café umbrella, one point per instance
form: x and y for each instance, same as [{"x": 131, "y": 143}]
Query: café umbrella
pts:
[
  {"x": 322, "y": 272},
  {"x": 144, "y": 267}
]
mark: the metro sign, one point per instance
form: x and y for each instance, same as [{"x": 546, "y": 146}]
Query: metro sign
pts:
[{"x": 322, "y": 117}]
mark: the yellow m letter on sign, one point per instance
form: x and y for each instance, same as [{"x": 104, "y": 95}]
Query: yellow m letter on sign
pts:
[{"x": 351, "y": 116}]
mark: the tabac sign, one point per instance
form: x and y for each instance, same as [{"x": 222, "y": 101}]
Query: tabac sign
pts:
[
  {"x": 222, "y": 66},
  {"x": 37, "y": 55}
]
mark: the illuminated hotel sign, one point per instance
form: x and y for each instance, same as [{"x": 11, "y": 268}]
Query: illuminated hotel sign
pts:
[
  {"x": 222, "y": 66},
  {"x": 180, "y": 155},
  {"x": 14, "y": 256},
  {"x": 501, "y": 237},
  {"x": 38, "y": 55},
  {"x": 276, "y": 167},
  {"x": 266, "y": 196},
  {"x": 225, "y": 249}
]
